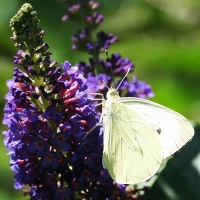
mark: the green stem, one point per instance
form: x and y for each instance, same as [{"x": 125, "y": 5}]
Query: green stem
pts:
[{"x": 97, "y": 70}]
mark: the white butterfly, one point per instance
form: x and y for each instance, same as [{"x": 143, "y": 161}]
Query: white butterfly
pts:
[{"x": 138, "y": 136}]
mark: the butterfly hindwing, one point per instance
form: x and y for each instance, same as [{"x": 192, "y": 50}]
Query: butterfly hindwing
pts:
[{"x": 175, "y": 130}]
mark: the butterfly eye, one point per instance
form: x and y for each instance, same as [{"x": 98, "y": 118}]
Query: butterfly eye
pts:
[{"x": 113, "y": 93}]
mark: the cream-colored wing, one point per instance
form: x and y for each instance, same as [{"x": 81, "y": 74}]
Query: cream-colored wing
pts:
[
  {"x": 174, "y": 129},
  {"x": 132, "y": 149}
]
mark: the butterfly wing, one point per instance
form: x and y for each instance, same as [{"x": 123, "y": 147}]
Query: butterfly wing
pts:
[
  {"x": 174, "y": 129},
  {"x": 132, "y": 149}
]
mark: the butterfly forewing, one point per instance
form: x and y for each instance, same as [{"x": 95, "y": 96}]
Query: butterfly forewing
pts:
[
  {"x": 174, "y": 129},
  {"x": 132, "y": 148}
]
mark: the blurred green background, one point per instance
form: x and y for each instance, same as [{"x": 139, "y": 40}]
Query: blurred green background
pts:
[{"x": 161, "y": 37}]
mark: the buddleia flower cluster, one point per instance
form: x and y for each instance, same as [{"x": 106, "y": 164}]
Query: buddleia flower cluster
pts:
[
  {"x": 98, "y": 69},
  {"x": 48, "y": 111}
]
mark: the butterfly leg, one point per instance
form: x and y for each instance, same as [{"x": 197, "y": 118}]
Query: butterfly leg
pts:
[
  {"x": 98, "y": 104},
  {"x": 95, "y": 93},
  {"x": 94, "y": 99},
  {"x": 99, "y": 124}
]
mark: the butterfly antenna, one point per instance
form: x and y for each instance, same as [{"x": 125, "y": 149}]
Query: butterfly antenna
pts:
[
  {"x": 105, "y": 84},
  {"x": 123, "y": 78},
  {"x": 110, "y": 68}
]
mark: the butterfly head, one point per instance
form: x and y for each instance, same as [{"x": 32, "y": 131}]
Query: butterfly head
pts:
[{"x": 112, "y": 93}]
